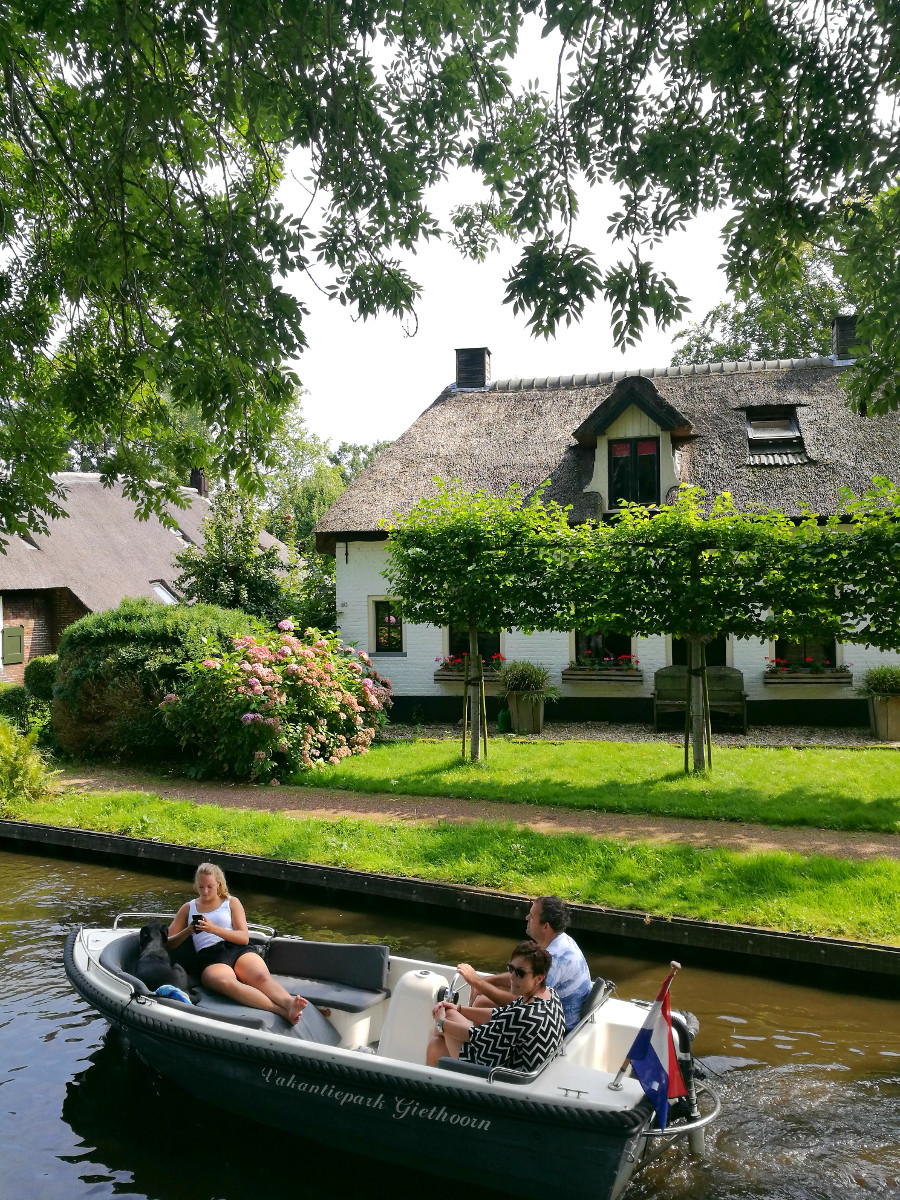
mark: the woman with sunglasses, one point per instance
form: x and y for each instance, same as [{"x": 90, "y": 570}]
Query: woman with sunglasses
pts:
[{"x": 521, "y": 1035}]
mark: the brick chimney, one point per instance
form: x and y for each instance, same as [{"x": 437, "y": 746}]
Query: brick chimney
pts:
[
  {"x": 473, "y": 367},
  {"x": 843, "y": 336},
  {"x": 198, "y": 481}
]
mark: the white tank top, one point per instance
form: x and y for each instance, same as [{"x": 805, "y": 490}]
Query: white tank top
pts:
[{"x": 218, "y": 916}]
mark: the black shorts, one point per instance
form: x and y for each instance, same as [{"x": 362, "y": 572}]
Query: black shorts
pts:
[{"x": 222, "y": 952}]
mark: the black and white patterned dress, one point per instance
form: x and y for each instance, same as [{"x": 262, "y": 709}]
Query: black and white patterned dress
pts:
[{"x": 519, "y": 1036}]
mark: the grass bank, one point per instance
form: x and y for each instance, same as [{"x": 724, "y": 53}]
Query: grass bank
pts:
[
  {"x": 822, "y": 786},
  {"x": 816, "y": 895}
]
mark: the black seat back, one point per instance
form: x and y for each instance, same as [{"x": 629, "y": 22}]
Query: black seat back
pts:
[
  {"x": 356, "y": 965},
  {"x": 600, "y": 989}
]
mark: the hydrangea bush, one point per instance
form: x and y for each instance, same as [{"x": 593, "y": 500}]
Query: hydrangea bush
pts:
[{"x": 276, "y": 704}]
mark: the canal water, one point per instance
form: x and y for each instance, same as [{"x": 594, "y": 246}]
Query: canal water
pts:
[{"x": 810, "y": 1082}]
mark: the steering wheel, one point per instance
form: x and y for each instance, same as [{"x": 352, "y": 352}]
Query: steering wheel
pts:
[{"x": 451, "y": 993}]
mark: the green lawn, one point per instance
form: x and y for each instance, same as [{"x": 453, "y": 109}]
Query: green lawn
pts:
[
  {"x": 817, "y": 894},
  {"x": 825, "y": 787}
]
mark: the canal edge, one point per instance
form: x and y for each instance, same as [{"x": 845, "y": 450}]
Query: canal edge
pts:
[{"x": 847, "y": 958}]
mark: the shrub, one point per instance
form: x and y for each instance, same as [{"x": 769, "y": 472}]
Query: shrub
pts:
[
  {"x": 26, "y": 713},
  {"x": 24, "y": 777},
  {"x": 115, "y": 667},
  {"x": 275, "y": 704},
  {"x": 880, "y": 681},
  {"x": 14, "y": 705},
  {"x": 531, "y": 678},
  {"x": 40, "y": 675}
]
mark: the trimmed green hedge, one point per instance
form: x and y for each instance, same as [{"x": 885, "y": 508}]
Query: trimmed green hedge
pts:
[{"x": 115, "y": 667}]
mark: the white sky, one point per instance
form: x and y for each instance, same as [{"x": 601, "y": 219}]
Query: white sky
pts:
[{"x": 368, "y": 380}]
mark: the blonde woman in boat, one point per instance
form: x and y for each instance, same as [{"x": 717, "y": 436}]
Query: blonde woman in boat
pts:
[{"x": 225, "y": 960}]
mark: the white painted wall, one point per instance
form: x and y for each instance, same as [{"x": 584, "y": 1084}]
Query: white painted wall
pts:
[{"x": 360, "y": 579}]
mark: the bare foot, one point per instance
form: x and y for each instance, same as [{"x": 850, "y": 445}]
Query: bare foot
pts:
[{"x": 296, "y": 1008}]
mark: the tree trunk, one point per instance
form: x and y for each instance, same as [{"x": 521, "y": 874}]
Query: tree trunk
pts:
[
  {"x": 475, "y": 677},
  {"x": 698, "y": 708}
]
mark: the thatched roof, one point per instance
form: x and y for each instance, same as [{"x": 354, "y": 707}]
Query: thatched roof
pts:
[
  {"x": 521, "y": 431},
  {"x": 100, "y": 551}
]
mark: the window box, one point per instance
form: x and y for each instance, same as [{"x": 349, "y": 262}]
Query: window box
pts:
[
  {"x": 832, "y": 677},
  {"x": 603, "y": 675},
  {"x": 458, "y": 675}
]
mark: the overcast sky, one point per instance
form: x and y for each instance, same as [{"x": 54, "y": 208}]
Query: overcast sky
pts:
[{"x": 369, "y": 380}]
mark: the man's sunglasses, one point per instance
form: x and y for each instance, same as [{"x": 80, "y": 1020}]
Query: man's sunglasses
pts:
[{"x": 519, "y": 972}]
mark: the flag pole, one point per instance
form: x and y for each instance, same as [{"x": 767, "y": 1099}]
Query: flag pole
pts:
[{"x": 674, "y": 968}]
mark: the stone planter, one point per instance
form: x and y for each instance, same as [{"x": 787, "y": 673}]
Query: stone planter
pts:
[
  {"x": 585, "y": 675},
  {"x": 827, "y": 678},
  {"x": 527, "y": 715},
  {"x": 885, "y": 715}
]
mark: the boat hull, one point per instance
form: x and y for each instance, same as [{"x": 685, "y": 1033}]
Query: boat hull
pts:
[
  {"x": 379, "y": 1117},
  {"x": 362, "y": 1103}
]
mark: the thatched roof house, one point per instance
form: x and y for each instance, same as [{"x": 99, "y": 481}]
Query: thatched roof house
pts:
[
  {"x": 774, "y": 433},
  {"x": 528, "y": 430},
  {"x": 89, "y": 560}
]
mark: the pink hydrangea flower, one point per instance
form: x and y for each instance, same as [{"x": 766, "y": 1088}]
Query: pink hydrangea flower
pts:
[{"x": 286, "y": 626}]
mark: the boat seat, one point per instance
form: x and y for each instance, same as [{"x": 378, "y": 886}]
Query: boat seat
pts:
[
  {"x": 351, "y": 977},
  {"x": 600, "y": 989},
  {"x": 120, "y": 958}
]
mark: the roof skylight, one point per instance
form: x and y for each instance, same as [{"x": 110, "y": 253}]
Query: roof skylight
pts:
[{"x": 774, "y": 431}]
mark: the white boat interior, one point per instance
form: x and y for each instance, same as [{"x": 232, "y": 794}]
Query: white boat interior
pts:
[{"x": 365, "y": 1001}]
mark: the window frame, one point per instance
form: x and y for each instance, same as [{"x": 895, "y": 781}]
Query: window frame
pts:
[
  {"x": 632, "y": 442},
  {"x": 445, "y": 642},
  {"x": 774, "y": 441},
  {"x": 373, "y": 628},
  {"x": 837, "y": 658}
]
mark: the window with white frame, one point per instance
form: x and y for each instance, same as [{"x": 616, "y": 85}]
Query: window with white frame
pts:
[{"x": 386, "y": 626}]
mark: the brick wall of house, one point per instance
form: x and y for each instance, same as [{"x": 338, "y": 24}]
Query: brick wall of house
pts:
[
  {"x": 43, "y": 615},
  {"x": 33, "y": 611},
  {"x": 66, "y": 609}
]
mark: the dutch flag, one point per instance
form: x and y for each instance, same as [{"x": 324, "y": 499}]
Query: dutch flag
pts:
[{"x": 653, "y": 1055}]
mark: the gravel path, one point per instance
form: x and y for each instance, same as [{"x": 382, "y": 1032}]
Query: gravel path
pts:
[
  {"x": 608, "y": 731},
  {"x": 300, "y": 802}
]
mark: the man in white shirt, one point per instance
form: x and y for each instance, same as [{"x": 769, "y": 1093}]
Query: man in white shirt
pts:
[{"x": 569, "y": 975}]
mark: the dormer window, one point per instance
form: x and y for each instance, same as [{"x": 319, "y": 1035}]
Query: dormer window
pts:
[{"x": 774, "y": 432}]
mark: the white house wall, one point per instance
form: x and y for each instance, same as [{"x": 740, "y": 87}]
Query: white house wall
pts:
[{"x": 359, "y": 579}]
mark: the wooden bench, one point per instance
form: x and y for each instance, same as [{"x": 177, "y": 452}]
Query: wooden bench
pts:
[{"x": 726, "y": 692}]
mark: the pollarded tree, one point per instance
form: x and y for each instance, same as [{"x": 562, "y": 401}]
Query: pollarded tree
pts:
[
  {"x": 480, "y": 562},
  {"x": 686, "y": 571}
]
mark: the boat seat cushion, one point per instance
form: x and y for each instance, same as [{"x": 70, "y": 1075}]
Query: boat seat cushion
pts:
[
  {"x": 120, "y": 957},
  {"x": 350, "y": 977},
  {"x": 326, "y": 994},
  {"x": 313, "y": 1026}
]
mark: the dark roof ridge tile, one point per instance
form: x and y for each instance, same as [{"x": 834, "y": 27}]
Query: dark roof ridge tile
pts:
[{"x": 595, "y": 379}]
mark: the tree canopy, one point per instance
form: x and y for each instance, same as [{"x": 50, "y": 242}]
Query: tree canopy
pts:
[
  {"x": 142, "y": 247},
  {"x": 794, "y": 323}
]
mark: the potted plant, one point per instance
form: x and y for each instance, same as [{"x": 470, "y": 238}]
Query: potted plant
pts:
[
  {"x": 882, "y": 687},
  {"x": 526, "y": 686}
]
